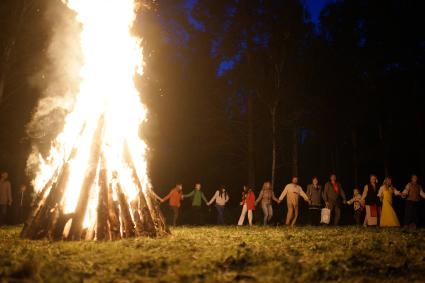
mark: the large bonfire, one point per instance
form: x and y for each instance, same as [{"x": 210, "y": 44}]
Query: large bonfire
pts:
[{"x": 94, "y": 184}]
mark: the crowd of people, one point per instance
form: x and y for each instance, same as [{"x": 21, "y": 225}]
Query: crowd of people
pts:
[
  {"x": 324, "y": 203},
  {"x": 372, "y": 206}
]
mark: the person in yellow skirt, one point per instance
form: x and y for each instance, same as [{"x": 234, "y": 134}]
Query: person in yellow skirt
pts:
[{"x": 388, "y": 215}]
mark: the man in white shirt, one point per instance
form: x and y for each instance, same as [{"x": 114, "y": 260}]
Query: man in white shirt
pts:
[{"x": 292, "y": 192}]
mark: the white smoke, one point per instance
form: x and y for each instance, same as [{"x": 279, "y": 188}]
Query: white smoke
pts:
[{"x": 58, "y": 80}]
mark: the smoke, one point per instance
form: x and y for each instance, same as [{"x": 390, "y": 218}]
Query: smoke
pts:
[{"x": 58, "y": 80}]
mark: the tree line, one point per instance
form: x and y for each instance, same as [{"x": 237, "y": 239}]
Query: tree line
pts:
[{"x": 241, "y": 92}]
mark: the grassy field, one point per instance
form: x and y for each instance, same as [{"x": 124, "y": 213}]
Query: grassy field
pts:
[{"x": 212, "y": 254}]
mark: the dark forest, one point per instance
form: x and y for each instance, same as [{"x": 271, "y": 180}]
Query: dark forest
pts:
[{"x": 240, "y": 92}]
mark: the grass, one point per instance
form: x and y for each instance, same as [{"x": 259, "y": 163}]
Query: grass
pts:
[{"x": 222, "y": 254}]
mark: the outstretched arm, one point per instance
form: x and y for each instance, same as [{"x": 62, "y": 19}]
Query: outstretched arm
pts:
[
  {"x": 344, "y": 199},
  {"x": 189, "y": 194},
  {"x": 204, "y": 198},
  {"x": 309, "y": 191},
  {"x": 212, "y": 199},
  {"x": 406, "y": 191},
  {"x": 366, "y": 188},
  {"x": 167, "y": 197},
  {"x": 396, "y": 192},
  {"x": 421, "y": 192},
  {"x": 274, "y": 197},
  {"x": 303, "y": 195},
  {"x": 157, "y": 197},
  {"x": 283, "y": 194},
  {"x": 259, "y": 197},
  {"x": 325, "y": 193}
]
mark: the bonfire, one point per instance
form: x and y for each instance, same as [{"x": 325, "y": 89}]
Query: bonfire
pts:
[{"x": 94, "y": 183}]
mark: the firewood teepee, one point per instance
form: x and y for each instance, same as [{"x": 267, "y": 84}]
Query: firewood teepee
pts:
[{"x": 94, "y": 182}]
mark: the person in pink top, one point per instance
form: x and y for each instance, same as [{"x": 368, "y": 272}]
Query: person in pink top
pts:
[{"x": 248, "y": 205}]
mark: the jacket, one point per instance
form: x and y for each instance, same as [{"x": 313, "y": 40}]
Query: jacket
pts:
[
  {"x": 175, "y": 197},
  {"x": 332, "y": 197}
]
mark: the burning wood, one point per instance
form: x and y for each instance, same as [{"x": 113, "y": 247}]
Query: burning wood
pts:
[{"x": 94, "y": 184}]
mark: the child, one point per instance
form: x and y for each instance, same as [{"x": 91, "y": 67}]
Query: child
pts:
[{"x": 358, "y": 207}]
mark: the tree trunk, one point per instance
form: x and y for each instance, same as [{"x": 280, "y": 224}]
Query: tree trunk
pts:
[
  {"x": 420, "y": 129},
  {"x": 251, "y": 162},
  {"x": 295, "y": 152},
  {"x": 333, "y": 160},
  {"x": 274, "y": 147},
  {"x": 2, "y": 86},
  {"x": 355, "y": 158},
  {"x": 384, "y": 145}
]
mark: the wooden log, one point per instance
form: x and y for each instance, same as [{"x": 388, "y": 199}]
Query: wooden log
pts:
[
  {"x": 128, "y": 224},
  {"x": 80, "y": 212},
  {"x": 102, "y": 227},
  {"x": 44, "y": 207},
  {"x": 57, "y": 233},
  {"x": 137, "y": 218},
  {"x": 37, "y": 204},
  {"x": 42, "y": 222},
  {"x": 148, "y": 224},
  {"x": 113, "y": 216},
  {"x": 159, "y": 218}
]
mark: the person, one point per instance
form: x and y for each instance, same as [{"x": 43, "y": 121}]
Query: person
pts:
[
  {"x": 175, "y": 197},
  {"x": 356, "y": 201},
  {"x": 221, "y": 197},
  {"x": 370, "y": 199},
  {"x": 197, "y": 197},
  {"x": 334, "y": 197},
  {"x": 315, "y": 194},
  {"x": 292, "y": 192},
  {"x": 248, "y": 205},
  {"x": 388, "y": 216},
  {"x": 5, "y": 197},
  {"x": 266, "y": 196},
  {"x": 412, "y": 193}
]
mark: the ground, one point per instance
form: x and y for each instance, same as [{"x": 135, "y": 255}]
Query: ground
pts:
[{"x": 222, "y": 254}]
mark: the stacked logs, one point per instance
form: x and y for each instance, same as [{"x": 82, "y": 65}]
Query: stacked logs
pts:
[{"x": 115, "y": 219}]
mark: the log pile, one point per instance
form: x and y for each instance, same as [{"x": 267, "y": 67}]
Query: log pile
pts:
[{"x": 115, "y": 218}]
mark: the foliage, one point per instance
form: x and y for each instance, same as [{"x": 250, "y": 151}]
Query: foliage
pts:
[{"x": 222, "y": 254}]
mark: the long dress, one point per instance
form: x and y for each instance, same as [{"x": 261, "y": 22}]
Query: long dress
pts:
[{"x": 388, "y": 216}]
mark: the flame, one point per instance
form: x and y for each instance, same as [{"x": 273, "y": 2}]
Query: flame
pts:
[{"x": 112, "y": 57}]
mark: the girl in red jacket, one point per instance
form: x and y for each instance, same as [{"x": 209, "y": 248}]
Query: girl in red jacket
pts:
[{"x": 248, "y": 205}]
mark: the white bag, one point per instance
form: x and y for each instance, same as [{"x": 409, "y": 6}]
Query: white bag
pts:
[{"x": 326, "y": 216}]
